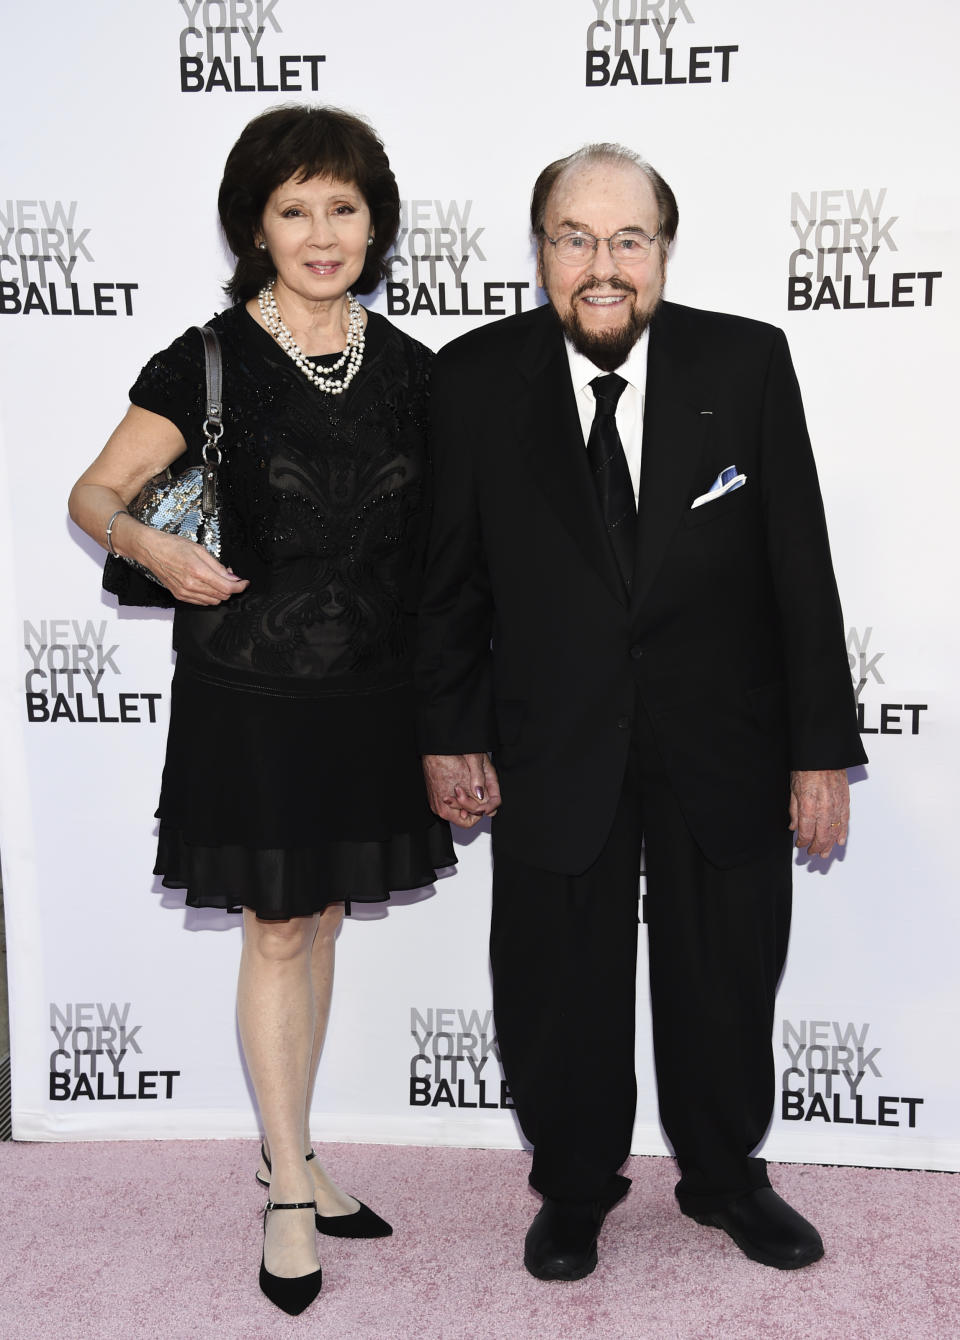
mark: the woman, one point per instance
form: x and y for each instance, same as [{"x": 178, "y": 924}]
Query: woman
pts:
[{"x": 291, "y": 781}]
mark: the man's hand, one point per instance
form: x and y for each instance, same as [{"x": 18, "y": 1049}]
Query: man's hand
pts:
[
  {"x": 819, "y": 809},
  {"x": 461, "y": 788}
]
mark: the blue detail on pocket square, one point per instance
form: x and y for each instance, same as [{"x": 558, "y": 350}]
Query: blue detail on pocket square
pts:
[{"x": 726, "y": 481}]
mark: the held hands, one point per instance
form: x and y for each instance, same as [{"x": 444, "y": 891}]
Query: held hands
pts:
[
  {"x": 819, "y": 809},
  {"x": 185, "y": 568},
  {"x": 461, "y": 788}
]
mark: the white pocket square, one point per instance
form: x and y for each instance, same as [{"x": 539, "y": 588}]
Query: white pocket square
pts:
[{"x": 726, "y": 481}]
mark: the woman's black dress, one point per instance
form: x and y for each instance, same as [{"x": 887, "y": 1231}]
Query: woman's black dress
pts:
[{"x": 292, "y": 778}]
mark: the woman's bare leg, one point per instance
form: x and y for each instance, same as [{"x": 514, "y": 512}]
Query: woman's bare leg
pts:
[
  {"x": 276, "y": 1012},
  {"x": 330, "y": 1199}
]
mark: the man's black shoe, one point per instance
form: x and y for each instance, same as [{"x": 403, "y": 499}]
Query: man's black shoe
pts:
[
  {"x": 561, "y": 1243},
  {"x": 766, "y": 1228}
]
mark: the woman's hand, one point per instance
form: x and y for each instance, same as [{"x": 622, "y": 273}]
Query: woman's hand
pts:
[{"x": 185, "y": 568}]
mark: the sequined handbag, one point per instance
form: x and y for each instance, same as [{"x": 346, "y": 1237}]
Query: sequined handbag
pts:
[{"x": 187, "y": 504}]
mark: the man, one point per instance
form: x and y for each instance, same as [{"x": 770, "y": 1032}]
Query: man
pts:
[{"x": 629, "y": 604}]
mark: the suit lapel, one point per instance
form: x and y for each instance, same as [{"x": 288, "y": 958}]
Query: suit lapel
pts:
[
  {"x": 675, "y": 433},
  {"x": 554, "y": 451}
]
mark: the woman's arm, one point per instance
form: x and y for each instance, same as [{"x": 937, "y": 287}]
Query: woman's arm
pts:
[{"x": 141, "y": 446}]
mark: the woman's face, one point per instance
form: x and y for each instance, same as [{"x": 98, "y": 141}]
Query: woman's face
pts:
[{"x": 317, "y": 232}]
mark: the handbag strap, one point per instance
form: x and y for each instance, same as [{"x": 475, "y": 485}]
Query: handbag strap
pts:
[
  {"x": 214, "y": 377},
  {"x": 213, "y": 423}
]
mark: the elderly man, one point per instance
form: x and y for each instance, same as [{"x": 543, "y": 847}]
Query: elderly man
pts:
[{"x": 631, "y": 634}]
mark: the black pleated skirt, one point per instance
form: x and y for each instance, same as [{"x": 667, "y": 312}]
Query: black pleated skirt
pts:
[{"x": 287, "y": 803}]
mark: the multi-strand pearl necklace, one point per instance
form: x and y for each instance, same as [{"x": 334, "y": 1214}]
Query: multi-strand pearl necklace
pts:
[{"x": 352, "y": 354}]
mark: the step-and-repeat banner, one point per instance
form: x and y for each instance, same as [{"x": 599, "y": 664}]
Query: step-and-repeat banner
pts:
[{"x": 809, "y": 147}]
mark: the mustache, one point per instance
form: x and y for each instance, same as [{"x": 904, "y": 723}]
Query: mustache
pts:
[{"x": 614, "y": 282}]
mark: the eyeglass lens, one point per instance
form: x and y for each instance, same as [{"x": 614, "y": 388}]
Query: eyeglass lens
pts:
[{"x": 625, "y": 246}]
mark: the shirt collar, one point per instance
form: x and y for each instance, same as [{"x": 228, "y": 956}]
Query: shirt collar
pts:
[{"x": 633, "y": 371}]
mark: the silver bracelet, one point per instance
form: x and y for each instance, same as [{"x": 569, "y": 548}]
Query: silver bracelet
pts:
[{"x": 121, "y": 511}]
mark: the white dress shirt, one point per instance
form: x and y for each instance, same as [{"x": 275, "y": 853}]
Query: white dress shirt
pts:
[{"x": 629, "y": 406}]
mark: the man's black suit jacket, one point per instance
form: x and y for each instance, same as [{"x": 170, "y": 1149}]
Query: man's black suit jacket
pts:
[{"x": 530, "y": 647}]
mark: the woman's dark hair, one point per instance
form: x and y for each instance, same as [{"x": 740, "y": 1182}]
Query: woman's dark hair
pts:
[{"x": 303, "y": 142}]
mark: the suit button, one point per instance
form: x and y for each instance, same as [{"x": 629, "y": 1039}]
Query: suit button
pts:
[
  {"x": 623, "y": 723},
  {"x": 636, "y": 652}
]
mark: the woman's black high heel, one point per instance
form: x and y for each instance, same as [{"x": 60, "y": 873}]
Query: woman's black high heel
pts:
[
  {"x": 363, "y": 1223},
  {"x": 296, "y": 1294}
]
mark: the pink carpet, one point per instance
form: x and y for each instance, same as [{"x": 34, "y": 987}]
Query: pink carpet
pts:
[{"x": 162, "y": 1240}]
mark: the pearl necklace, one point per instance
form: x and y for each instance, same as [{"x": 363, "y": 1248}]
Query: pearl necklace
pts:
[{"x": 352, "y": 354}]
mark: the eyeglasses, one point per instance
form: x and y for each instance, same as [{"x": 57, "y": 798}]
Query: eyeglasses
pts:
[{"x": 627, "y": 247}]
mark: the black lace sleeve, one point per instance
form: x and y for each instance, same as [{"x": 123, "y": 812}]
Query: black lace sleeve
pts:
[{"x": 172, "y": 384}]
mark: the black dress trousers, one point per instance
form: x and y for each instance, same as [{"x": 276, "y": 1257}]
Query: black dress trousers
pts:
[{"x": 563, "y": 951}]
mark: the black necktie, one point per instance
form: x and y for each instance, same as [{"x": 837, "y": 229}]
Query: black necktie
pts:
[{"x": 611, "y": 474}]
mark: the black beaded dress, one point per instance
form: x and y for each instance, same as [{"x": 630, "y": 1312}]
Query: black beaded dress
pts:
[{"x": 292, "y": 778}]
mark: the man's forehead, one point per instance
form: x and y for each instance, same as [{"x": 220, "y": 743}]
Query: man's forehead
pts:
[{"x": 598, "y": 184}]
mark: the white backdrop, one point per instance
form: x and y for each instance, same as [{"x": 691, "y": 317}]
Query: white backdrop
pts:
[{"x": 803, "y": 141}]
